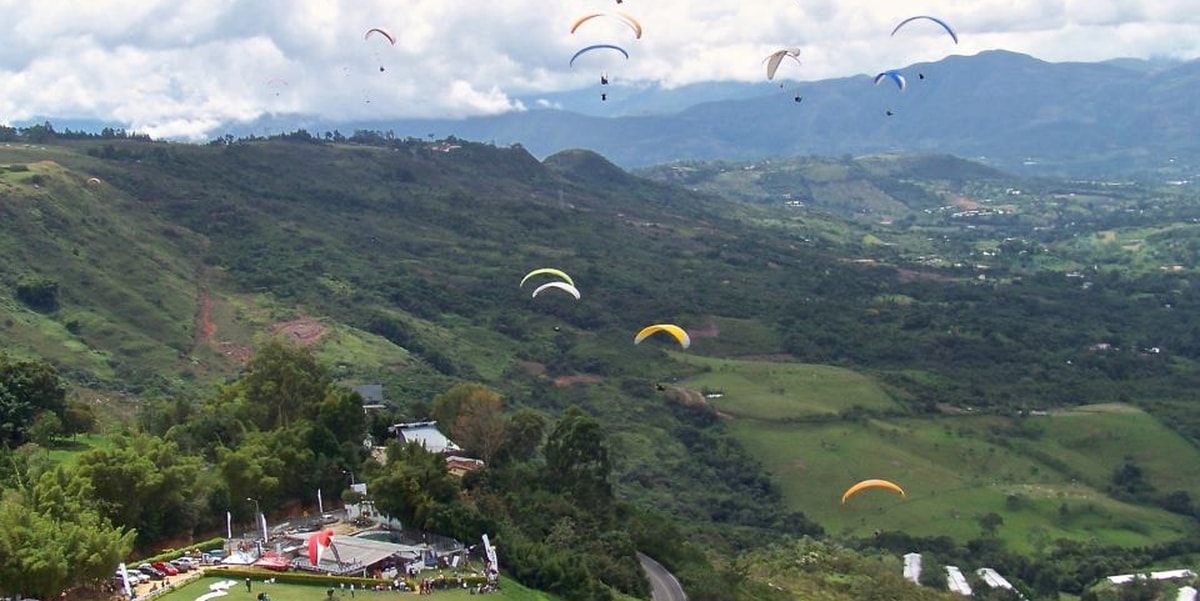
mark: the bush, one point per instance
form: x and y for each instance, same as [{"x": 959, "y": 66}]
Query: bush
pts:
[{"x": 38, "y": 293}]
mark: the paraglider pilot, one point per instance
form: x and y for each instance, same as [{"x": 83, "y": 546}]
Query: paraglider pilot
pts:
[
  {"x": 603, "y": 97},
  {"x": 603, "y": 79}
]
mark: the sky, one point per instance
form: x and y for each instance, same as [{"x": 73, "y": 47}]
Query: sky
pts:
[{"x": 180, "y": 69}]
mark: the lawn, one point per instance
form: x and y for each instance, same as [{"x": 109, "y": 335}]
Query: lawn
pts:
[{"x": 510, "y": 590}]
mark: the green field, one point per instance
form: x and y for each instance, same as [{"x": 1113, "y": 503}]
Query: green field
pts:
[
  {"x": 510, "y": 590},
  {"x": 1047, "y": 483},
  {"x": 763, "y": 390}
]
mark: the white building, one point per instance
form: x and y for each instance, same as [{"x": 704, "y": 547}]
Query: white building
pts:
[
  {"x": 993, "y": 579},
  {"x": 956, "y": 581},
  {"x": 1186, "y": 593},
  {"x": 427, "y": 435},
  {"x": 1163, "y": 575},
  {"x": 912, "y": 567}
]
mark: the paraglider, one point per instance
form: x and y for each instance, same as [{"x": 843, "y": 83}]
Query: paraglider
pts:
[
  {"x": 547, "y": 271},
  {"x": 277, "y": 84},
  {"x": 680, "y": 335},
  {"x": 380, "y": 33},
  {"x": 775, "y": 58},
  {"x": 893, "y": 75},
  {"x": 624, "y": 18},
  {"x": 946, "y": 26},
  {"x": 593, "y": 47},
  {"x": 872, "y": 483},
  {"x": 318, "y": 542},
  {"x": 565, "y": 287},
  {"x": 94, "y": 181}
]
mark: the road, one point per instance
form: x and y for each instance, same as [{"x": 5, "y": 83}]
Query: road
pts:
[{"x": 662, "y": 582}]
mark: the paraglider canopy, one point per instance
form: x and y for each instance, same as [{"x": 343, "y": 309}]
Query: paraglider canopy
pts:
[
  {"x": 777, "y": 57},
  {"x": 317, "y": 543},
  {"x": 565, "y": 287},
  {"x": 893, "y": 75},
  {"x": 680, "y": 335},
  {"x": 380, "y": 32},
  {"x": 628, "y": 20},
  {"x": 95, "y": 181},
  {"x": 547, "y": 271},
  {"x": 597, "y": 47},
  {"x": 944, "y": 25},
  {"x": 872, "y": 483}
]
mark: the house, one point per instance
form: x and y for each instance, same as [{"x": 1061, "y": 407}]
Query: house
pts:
[
  {"x": 994, "y": 580},
  {"x": 427, "y": 435},
  {"x": 461, "y": 466}
]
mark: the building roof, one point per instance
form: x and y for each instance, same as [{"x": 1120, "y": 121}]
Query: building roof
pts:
[
  {"x": 912, "y": 567},
  {"x": 1163, "y": 575},
  {"x": 956, "y": 581},
  {"x": 356, "y": 553},
  {"x": 425, "y": 434}
]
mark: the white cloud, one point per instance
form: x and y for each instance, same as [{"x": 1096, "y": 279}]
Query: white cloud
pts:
[{"x": 183, "y": 67}]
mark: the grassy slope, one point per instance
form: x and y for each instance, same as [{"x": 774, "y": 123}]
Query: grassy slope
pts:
[{"x": 952, "y": 472}]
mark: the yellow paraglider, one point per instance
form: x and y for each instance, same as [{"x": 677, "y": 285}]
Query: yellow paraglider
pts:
[
  {"x": 674, "y": 330},
  {"x": 547, "y": 271},
  {"x": 872, "y": 483}
]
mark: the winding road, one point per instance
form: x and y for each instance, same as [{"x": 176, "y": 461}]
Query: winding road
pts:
[{"x": 664, "y": 585}]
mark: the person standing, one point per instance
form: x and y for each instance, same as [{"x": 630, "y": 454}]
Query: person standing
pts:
[{"x": 247, "y": 585}]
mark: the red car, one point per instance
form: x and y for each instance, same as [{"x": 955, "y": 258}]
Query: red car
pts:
[{"x": 166, "y": 568}]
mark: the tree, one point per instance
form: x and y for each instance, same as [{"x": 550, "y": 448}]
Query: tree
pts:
[
  {"x": 475, "y": 418},
  {"x": 27, "y": 388},
  {"x": 45, "y": 428},
  {"x": 523, "y": 435},
  {"x": 414, "y": 486},
  {"x": 282, "y": 383},
  {"x": 38, "y": 293},
  {"x": 78, "y": 418},
  {"x": 990, "y": 522},
  {"x": 577, "y": 461}
]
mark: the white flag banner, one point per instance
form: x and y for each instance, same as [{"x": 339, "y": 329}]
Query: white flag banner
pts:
[
  {"x": 320, "y": 505},
  {"x": 125, "y": 580},
  {"x": 228, "y": 524}
]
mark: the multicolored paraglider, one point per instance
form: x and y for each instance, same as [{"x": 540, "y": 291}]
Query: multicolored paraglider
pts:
[
  {"x": 318, "y": 543},
  {"x": 376, "y": 32},
  {"x": 872, "y": 483},
  {"x": 944, "y": 25},
  {"x": 631, "y": 22},
  {"x": 679, "y": 333},
  {"x": 894, "y": 76}
]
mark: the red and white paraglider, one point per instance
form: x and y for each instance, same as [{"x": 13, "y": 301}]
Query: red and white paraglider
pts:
[{"x": 318, "y": 543}]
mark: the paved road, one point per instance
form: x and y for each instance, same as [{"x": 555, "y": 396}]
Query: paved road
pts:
[{"x": 663, "y": 583}]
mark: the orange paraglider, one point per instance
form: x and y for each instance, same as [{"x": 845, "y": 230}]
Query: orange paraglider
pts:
[{"x": 872, "y": 483}]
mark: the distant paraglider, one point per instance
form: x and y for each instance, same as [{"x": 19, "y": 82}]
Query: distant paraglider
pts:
[
  {"x": 677, "y": 332},
  {"x": 94, "y": 181},
  {"x": 894, "y": 76},
  {"x": 376, "y": 32},
  {"x": 594, "y": 47},
  {"x": 631, "y": 22},
  {"x": 565, "y": 287},
  {"x": 547, "y": 271},
  {"x": 775, "y": 58},
  {"x": 946, "y": 26},
  {"x": 872, "y": 483}
]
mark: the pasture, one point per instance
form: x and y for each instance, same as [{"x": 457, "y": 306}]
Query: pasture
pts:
[
  {"x": 510, "y": 590},
  {"x": 1047, "y": 477}
]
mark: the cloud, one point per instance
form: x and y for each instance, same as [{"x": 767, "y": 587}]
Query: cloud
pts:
[{"x": 181, "y": 68}]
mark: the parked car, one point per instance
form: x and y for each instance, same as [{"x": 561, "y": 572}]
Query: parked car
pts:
[
  {"x": 183, "y": 564},
  {"x": 166, "y": 568},
  {"x": 149, "y": 571}
]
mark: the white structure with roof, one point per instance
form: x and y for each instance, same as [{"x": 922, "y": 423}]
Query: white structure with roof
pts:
[
  {"x": 1186, "y": 593},
  {"x": 427, "y": 435},
  {"x": 912, "y": 567},
  {"x": 956, "y": 581},
  {"x": 993, "y": 579},
  {"x": 1163, "y": 575}
]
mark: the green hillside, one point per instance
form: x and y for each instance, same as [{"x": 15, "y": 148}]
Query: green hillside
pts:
[{"x": 829, "y": 344}]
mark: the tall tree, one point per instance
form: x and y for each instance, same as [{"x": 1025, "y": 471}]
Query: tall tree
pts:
[
  {"x": 27, "y": 388},
  {"x": 577, "y": 460}
]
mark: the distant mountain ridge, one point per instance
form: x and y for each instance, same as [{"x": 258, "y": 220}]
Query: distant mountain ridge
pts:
[{"x": 1009, "y": 110}]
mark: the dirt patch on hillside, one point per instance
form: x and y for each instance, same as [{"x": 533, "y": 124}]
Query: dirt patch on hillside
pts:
[
  {"x": 708, "y": 330},
  {"x": 304, "y": 331},
  {"x": 564, "y": 381},
  {"x": 963, "y": 202},
  {"x": 911, "y": 275},
  {"x": 686, "y": 396}
]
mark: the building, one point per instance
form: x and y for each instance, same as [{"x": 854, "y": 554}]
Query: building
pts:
[
  {"x": 912, "y": 567},
  {"x": 1163, "y": 575},
  {"x": 427, "y": 435},
  {"x": 461, "y": 466},
  {"x": 1186, "y": 593},
  {"x": 956, "y": 582},
  {"x": 993, "y": 579}
]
